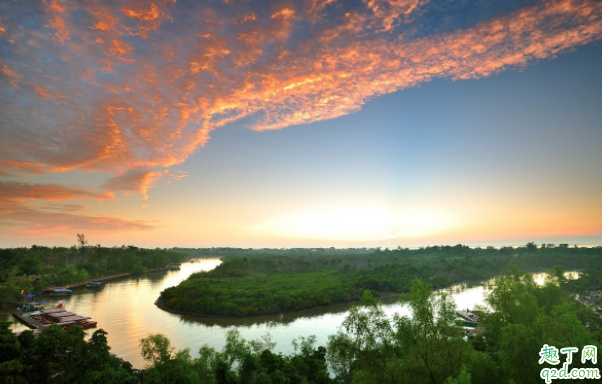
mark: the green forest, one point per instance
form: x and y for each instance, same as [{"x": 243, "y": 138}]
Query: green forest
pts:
[
  {"x": 59, "y": 265},
  {"x": 427, "y": 348},
  {"x": 256, "y": 282}
]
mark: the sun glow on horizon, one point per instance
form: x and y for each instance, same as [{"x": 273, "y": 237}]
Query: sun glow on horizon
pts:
[{"x": 357, "y": 224}]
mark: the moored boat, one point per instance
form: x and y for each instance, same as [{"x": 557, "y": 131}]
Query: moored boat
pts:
[
  {"x": 95, "y": 285},
  {"x": 467, "y": 319},
  {"x": 61, "y": 292},
  {"x": 466, "y": 324}
]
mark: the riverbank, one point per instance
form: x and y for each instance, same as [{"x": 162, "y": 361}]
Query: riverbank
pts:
[
  {"x": 170, "y": 266},
  {"x": 58, "y": 267},
  {"x": 159, "y": 304}
]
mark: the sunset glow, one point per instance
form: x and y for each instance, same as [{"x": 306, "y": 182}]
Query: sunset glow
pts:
[{"x": 300, "y": 123}]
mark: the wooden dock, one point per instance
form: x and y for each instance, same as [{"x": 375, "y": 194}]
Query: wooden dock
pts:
[{"x": 26, "y": 319}]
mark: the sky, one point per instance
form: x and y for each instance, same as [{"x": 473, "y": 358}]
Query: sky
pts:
[{"x": 345, "y": 123}]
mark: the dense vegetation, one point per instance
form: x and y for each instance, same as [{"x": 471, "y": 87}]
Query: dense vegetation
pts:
[
  {"x": 590, "y": 279},
  {"x": 58, "y": 265},
  {"x": 60, "y": 356},
  {"x": 254, "y": 282},
  {"x": 370, "y": 348},
  {"x": 429, "y": 349}
]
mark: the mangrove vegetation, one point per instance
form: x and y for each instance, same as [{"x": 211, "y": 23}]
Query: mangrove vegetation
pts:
[
  {"x": 257, "y": 282},
  {"x": 429, "y": 347}
]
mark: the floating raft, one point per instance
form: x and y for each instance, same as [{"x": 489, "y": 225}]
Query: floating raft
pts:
[{"x": 47, "y": 317}]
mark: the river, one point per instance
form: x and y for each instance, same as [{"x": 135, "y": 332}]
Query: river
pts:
[{"x": 125, "y": 309}]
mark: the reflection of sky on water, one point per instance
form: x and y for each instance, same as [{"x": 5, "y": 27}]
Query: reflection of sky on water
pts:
[
  {"x": 126, "y": 310},
  {"x": 540, "y": 278}
]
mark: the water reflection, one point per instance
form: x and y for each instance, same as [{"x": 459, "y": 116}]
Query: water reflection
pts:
[{"x": 125, "y": 309}]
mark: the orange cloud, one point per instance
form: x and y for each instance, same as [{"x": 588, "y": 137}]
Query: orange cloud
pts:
[
  {"x": 151, "y": 14},
  {"x": 149, "y": 19},
  {"x": 9, "y": 166},
  {"x": 41, "y": 91},
  {"x": 18, "y": 192},
  {"x": 59, "y": 25},
  {"x": 119, "y": 49},
  {"x": 19, "y": 216},
  {"x": 250, "y": 17},
  {"x": 285, "y": 13},
  {"x": 14, "y": 76},
  {"x": 387, "y": 11},
  {"x": 29, "y": 221},
  {"x": 64, "y": 207},
  {"x": 106, "y": 22},
  {"x": 55, "y": 6},
  {"x": 137, "y": 180},
  {"x": 140, "y": 103}
]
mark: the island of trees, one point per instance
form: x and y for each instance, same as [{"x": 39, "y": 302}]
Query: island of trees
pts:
[{"x": 256, "y": 282}]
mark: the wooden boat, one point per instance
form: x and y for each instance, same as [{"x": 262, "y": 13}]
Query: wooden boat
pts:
[
  {"x": 95, "y": 285},
  {"x": 467, "y": 319},
  {"x": 88, "y": 324},
  {"x": 61, "y": 292},
  {"x": 466, "y": 324}
]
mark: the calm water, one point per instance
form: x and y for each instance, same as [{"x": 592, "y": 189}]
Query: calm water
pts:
[{"x": 125, "y": 309}]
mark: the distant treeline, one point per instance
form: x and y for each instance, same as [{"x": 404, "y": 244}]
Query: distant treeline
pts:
[
  {"x": 254, "y": 282},
  {"x": 59, "y": 265}
]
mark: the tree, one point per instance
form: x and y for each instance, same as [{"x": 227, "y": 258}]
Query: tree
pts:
[
  {"x": 11, "y": 369},
  {"x": 427, "y": 348},
  {"x": 30, "y": 266},
  {"x": 9, "y": 290},
  {"x": 432, "y": 344},
  {"x": 81, "y": 240},
  {"x": 166, "y": 365},
  {"x": 526, "y": 316},
  {"x": 531, "y": 247},
  {"x": 92, "y": 362}
]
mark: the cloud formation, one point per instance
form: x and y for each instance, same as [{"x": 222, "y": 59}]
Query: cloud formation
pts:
[
  {"x": 135, "y": 88},
  {"x": 24, "y": 220},
  {"x": 20, "y": 215},
  {"x": 17, "y": 191}
]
